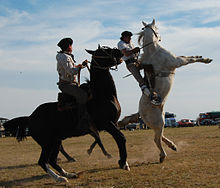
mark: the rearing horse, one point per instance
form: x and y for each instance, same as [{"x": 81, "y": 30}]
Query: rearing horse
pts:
[
  {"x": 48, "y": 126},
  {"x": 164, "y": 65}
]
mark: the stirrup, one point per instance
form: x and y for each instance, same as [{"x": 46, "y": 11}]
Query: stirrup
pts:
[
  {"x": 145, "y": 90},
  {"x": 155, "y": 99}
]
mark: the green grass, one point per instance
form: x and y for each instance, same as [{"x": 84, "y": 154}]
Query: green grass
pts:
[{"x": 195, "y": 164}]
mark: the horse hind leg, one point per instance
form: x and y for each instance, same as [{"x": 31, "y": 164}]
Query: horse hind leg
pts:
[
  {"x": 43, "y": 162},
  {"x": 66, "y": 155},
  {"x": 98, "y": 141},
  {"x": 53, "y": 162},
  {"x": 169, "y": 143},
  {"x": 157, "y": 140}
]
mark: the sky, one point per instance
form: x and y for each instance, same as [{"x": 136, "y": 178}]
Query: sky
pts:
[{"x": 31, "y": 29}]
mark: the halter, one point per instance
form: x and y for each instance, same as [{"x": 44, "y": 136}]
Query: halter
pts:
[
  {"x": 148, "y": 44},
  {"x": 109, "y": 56}
]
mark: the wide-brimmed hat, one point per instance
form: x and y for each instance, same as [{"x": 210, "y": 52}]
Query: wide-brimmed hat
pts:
[
  {"x": 126, "y": 34},
  {"x": 64, "y": 43}
]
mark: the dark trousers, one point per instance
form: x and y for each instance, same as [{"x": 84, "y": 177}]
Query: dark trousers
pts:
[{"x": 75, "y": 91}]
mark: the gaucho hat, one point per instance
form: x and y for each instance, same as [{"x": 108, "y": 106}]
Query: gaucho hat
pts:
[
  {"x": 126, "y": 34},
  {"x": 64, "y": 43}
]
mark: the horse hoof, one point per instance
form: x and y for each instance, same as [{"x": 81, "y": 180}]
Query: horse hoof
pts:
[
  {"x": 72, "y": 175},
  {"x": 109, "y": 156},
  {"x": 89, "y": 152},
  {"x": 173, "y": 148},
  {"x": 162, "y": 159},
  {"x": 71, "y": 160},
  {"x": 124, "y": 166},
  {"x": 62, "y": 179}
]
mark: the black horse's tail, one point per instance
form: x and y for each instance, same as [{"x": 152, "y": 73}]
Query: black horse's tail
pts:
[{"x": 17, "y": 127}]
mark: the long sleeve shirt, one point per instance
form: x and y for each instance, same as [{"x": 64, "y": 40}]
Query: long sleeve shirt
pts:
[{"x": 66, "y": 67}]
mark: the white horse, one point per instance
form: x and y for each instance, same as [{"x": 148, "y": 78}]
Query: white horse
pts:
[{"x": 164, "y": 66}]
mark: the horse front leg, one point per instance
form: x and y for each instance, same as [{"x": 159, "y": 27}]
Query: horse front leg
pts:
[
  {"x": 184, "y": 60},
  {"x": 157, "y": 139},
  {"x": 121, "y": 143}
]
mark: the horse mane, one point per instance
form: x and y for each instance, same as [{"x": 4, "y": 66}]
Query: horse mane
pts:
[{"x": 140, "y": 38}]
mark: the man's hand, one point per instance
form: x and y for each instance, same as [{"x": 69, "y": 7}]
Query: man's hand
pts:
[
  {"x": 136, "y": 50},
  {"x": 79, "y": 66},
  {"x": 84, "y": 63}
]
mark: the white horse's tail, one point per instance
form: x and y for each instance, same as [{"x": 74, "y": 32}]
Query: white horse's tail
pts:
[{"x": 133, "y": 118}]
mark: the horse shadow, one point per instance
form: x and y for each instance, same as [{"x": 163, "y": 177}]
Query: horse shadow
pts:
[
  {"x": 20, "y": 182},
  {"x": 136, "y": 164}
]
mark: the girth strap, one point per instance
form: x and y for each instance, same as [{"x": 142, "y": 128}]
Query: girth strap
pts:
[{"x": 163, "y": 74}]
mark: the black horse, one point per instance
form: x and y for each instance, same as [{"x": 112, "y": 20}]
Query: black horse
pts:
[{"x": 48, "y": 126}]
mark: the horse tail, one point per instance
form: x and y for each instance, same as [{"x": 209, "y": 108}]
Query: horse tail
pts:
[{"x": 17, "y": 127}]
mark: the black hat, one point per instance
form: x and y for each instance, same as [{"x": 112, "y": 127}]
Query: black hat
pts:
[
  {"x": 126, "y": 34},
  {"x": 64, "y": 43}
]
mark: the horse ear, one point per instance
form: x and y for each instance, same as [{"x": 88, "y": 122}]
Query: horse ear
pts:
[
  {"x": 90, "y": 52},
  {"x": 153, "y": 22},
  {"x": 145, "y": 25},
  {"x": 99, "y": 46}
]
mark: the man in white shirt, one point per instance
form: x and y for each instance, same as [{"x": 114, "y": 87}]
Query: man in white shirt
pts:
[{"x": 130, "y": 57}]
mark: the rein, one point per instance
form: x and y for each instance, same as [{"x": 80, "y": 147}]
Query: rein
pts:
[
  {"x": 148, "y": 44},
  {"x": 78, "y": 77}
]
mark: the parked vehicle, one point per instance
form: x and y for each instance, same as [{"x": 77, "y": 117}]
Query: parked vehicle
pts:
[
  {"x": 194, "y": 122},
  {"x": 208, "y": 122},
  {"x": 170, "y": 120},
  {"x": 185, "y": 123},
  {"x": 131, "y": 126},
  {"x": 208, "y": 117},
  {"x": 2, "y": 129}
]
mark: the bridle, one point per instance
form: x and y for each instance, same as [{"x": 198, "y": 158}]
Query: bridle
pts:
[
  {"x": 109, "y": 56},
  {"x": 156, "y": 35}
]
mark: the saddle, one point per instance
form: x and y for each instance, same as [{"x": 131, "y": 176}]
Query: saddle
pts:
[{"x": 66, "y": 102}]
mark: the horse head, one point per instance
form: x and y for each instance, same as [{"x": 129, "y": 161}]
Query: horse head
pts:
[
  {"x": 149, "y": 34},
  {"x": 105, "y": 57}
]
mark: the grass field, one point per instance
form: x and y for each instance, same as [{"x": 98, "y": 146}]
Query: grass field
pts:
[{"x": 195, "y": 164}]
